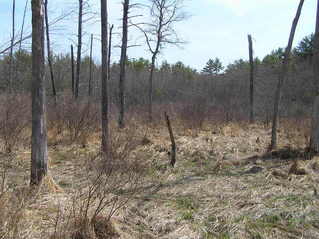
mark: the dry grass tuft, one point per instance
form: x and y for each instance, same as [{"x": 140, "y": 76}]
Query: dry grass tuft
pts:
[
  {"x": 14, "y": 220},
  {"x": 103, "y": 228},
  {"x": 48, "y": 185},
  {"x": 313, "y": 165},
  {"x": 98, "y": 228},
  {"x": 297, "y": 169},
  {"x": 232, "y": 129},
  {"x": 279, "y": 174}
]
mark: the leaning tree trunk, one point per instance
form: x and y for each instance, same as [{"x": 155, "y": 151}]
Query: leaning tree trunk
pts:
[
  {"x": 39, "y": 152},
  {"x": 49, "y": 49},
  {"x": 251, "y": 76},
  {"x": 314, "y": 141},
  {"x": 104, "y": 77},
  {"x": 123, "y": 64},
  {"x": 282, "y": 77},
  {"x": 16, "y": 75},
  {"x": 23, "y": 22},
  {"x": 78, "y": 59}
]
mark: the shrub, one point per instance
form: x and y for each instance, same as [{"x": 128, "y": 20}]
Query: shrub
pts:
[
  {"x": 194, "y": 113},
  {"x": 14, "y": 120},
  {"x": 78, "y": 119},
  {"x": 110, "y": 184}
]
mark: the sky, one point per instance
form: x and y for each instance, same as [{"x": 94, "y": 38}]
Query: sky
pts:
[{"x": 214, "y": 28}]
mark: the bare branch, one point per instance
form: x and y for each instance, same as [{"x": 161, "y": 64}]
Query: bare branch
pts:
[
  {"x": 15, "y": 43},
  {"x": 145, "y": 35}
]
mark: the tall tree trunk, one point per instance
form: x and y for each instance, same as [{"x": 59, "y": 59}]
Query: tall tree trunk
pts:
[
  {"x": 104, "y": 77},
  {"x": 251, "y": 61},
  {"x": 10, "y": 84},
  {"x": 17, "y": 76},
  {"x": 39, "y": 152},
  {"x": 23, "y": 22},
  {"x": 154, "y": 55},
  {"x": 314, "y": 141},
  {"x": 282, "y": 77},
  {"x": 72, "y": 70},
  {"x": 150, "y": 90},
  {"x": 49, "y": 49},
  {"x": 91, "y": 64},
  {"x": 109, "y": 54},
  {"x": 78, "y": 59},
  {"x": 123, "y": 63}
]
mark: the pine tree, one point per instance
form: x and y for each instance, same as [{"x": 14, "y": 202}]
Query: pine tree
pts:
[{"x": 213, "y": 67}]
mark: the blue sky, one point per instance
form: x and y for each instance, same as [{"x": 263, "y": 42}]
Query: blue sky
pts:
[{"x": 216, "y": 28}]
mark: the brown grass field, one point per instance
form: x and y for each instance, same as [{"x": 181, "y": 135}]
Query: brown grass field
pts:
[{"x": 224, "y": 185}]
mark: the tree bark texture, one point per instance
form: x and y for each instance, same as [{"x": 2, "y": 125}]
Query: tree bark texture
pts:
[{"x": 39, "y": 152}]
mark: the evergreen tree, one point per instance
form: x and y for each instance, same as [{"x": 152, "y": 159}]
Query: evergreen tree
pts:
[
  {"x": 275, "y": 57},
  {"x": 305, "y": 47},
  {"x": 213, "y": 67}
]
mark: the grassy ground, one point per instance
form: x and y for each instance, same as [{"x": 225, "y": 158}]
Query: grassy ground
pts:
[{"x": 224, "y": 185}]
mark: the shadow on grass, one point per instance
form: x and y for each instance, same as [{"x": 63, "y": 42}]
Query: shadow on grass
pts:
[{"x": 288, "y": 153}]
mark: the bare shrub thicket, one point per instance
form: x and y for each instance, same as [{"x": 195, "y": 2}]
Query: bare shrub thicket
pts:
[
  {"x": 81, "y": 119},
  {"x": 14, "y": 120},
  {"x": 111, "y": 183},
  {"x": 75, "y": 119},
  {"x": 194, "y": 113},
  {"x": 226, "y": 96}
]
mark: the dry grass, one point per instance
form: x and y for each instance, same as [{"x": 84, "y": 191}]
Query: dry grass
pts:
[{"x": 224, "y": 185}]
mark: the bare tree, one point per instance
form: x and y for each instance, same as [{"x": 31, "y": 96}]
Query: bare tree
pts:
[
  {"x": 282, "y": 77},
  {"x": 110, "y": 52},
  {"x": 72, "y": 70},
  {"x": 251, "y": 61},
  {"x": 12, "y": 45},
  {"x": 78, "y": 58},
  {"x": 39, "y": 152},
  {"x": 160, "y": 32},
  {"x": 126, "y": 5},
  {"x": 49, "y": 49},
  {"x": 314, "y": 142},
  {"x": 91, "y": 64},
  {"x": 23, "y": 22},
  {"x": 104, "y": 78}
]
